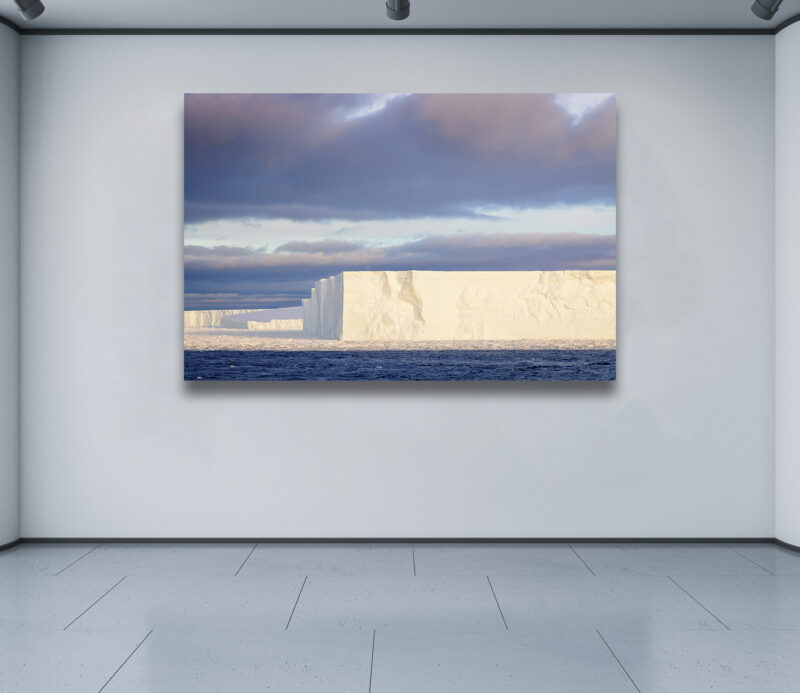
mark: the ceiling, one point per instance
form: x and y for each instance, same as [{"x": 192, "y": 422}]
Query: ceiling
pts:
[{"x": 369, "y": 14}]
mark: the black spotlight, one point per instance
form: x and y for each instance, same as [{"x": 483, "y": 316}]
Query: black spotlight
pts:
[
  {"x": 398, "y": 9},
  {"x": 766, "y": 9},
  {"x": 30, "y": 9}
]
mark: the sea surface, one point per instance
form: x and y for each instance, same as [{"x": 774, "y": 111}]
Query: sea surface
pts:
[{"x": 441, "y": 365}]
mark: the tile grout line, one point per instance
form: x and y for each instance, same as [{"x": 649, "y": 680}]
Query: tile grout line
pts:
[
  {"x": 497, "y": 602},
  {"x": 750, "y": 559},
  {"x": 630, "y": 678},
  {"x": 371, "y": 662},
  {"x": 296, "y": 602},
  {"x": 695, "y": 600},
  {"x": 246, "y": 559},
  {"x": 93, "y": 603},
  {"x": 581, "y": 559},
  {"x": 77, "y": 559},
  {"x": 126, "y": 661},
  {"x": 414, "y": 560}
]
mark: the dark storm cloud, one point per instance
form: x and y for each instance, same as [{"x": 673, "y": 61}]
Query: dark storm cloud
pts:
[
  {"x": 282, "y": 279},
  {"x": 301, "y": 157}
]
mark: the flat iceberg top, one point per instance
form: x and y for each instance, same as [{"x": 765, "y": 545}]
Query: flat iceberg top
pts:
[{"x": 481, "y": 274}]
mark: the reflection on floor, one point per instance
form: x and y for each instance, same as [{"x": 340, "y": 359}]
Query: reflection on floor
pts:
[{"x": 400, "y": 617}]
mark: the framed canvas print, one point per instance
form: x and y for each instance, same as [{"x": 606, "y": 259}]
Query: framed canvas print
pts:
[{"x": 399, "y": 237}]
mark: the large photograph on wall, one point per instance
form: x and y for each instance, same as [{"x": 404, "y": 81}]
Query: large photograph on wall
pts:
[{"x": 399, "y": 237}]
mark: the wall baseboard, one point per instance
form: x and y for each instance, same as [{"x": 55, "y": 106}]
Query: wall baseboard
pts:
[
  {"x": 10, "y": 545},
  {"x": 398, "y": 540},
  {"x": 787, "y": 545},
  {"x": 393, "y": 540}
]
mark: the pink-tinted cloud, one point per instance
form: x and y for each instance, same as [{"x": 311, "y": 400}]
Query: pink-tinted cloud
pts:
[{"x": 303, "y": 157}]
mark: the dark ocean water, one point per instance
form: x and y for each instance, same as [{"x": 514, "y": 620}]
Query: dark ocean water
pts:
[{"x": 546, "y": 364}]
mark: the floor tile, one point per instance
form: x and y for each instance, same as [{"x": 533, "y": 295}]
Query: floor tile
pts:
[
  {"x": 248, "y": 661},
  {"x": 497, "y": 559},
  {"x": 41, "y": 559},
  {"x": 167, "y": 602},
  {"x": 664, "y": 559},
  {"x": 301, "y": 617},
  {"x": 598, "y": 602},
  {"x": 416, "y": 604},
  {"x": 551, "y": 661},
  {"x": 697, "y": 662},
  {"x": 772, "y": 557},
  {"x": 755, "y": 602},
  {"x": 49, "y": 602},
  {"x": 40, "y": 661},
  {"x": 191, "y": 559},
  {"x": 329, "y": 559}
]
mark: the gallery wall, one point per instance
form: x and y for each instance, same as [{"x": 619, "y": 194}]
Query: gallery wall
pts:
[
  {"x": 787, "y": 252},
  {"x": 9, "y": 285},
  {"x": 116, "y": 445}
]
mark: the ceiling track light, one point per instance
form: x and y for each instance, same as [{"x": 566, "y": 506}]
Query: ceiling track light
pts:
[
  {"x": 398, "y": 9},
  {"x": 766, "y": 9},
  {"x": 29, "y": 9}
]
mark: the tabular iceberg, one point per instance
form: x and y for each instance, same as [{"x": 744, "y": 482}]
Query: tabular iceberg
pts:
[
  {"x": 279, "y": 319},
  {"x": 212, "y": 318},
  {"x": 294, "y": 325},
  {"x": 422, "y": 306}
]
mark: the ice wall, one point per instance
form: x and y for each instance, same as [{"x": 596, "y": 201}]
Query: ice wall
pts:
[
  {"x": 210, "y": 318},
  {"x": 282, "y": 325},
  {"x": 421, "y": 306},
  {"x": 323, "y": 313},
  {"x": 243, "y": 319}
]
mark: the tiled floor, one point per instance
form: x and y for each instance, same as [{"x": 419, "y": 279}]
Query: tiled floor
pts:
[{"x": 425, "y": 618}]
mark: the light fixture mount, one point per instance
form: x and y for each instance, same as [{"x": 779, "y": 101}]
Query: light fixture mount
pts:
[
  {"x": 398, "y": 9},
  {"x": 766, "y": 9},
  {"x": 30, "y": 9}
]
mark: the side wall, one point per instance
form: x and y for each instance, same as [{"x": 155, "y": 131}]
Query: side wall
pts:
[
  {"x": 787, "y": 285},
  {"x": 115, "y": 444},
  {"x": 9, "y": 285}
]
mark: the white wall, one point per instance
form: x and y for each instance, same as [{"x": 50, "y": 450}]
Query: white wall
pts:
[
  {"x": 115, "y": 444},
  {"x": 9, "y": 285},
  {"x": 787, "y": 285}
]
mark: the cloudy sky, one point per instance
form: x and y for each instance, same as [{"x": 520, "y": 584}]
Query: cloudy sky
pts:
[{"x": 284, "y": 189}]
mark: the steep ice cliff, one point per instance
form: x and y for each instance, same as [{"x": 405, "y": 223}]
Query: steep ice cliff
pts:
[
  {"x": 323, "y": 312},
  {"x": 422, "y": 306}
]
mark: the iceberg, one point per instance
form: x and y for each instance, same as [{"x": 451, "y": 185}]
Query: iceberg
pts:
[
  {"x": 289, "y": 319},
  {"x": 210, "y": 318},
  {"x": 323, "y": 313},
  {"x": 280, "y": 325},
  {"x": 435, "y": 306}
]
